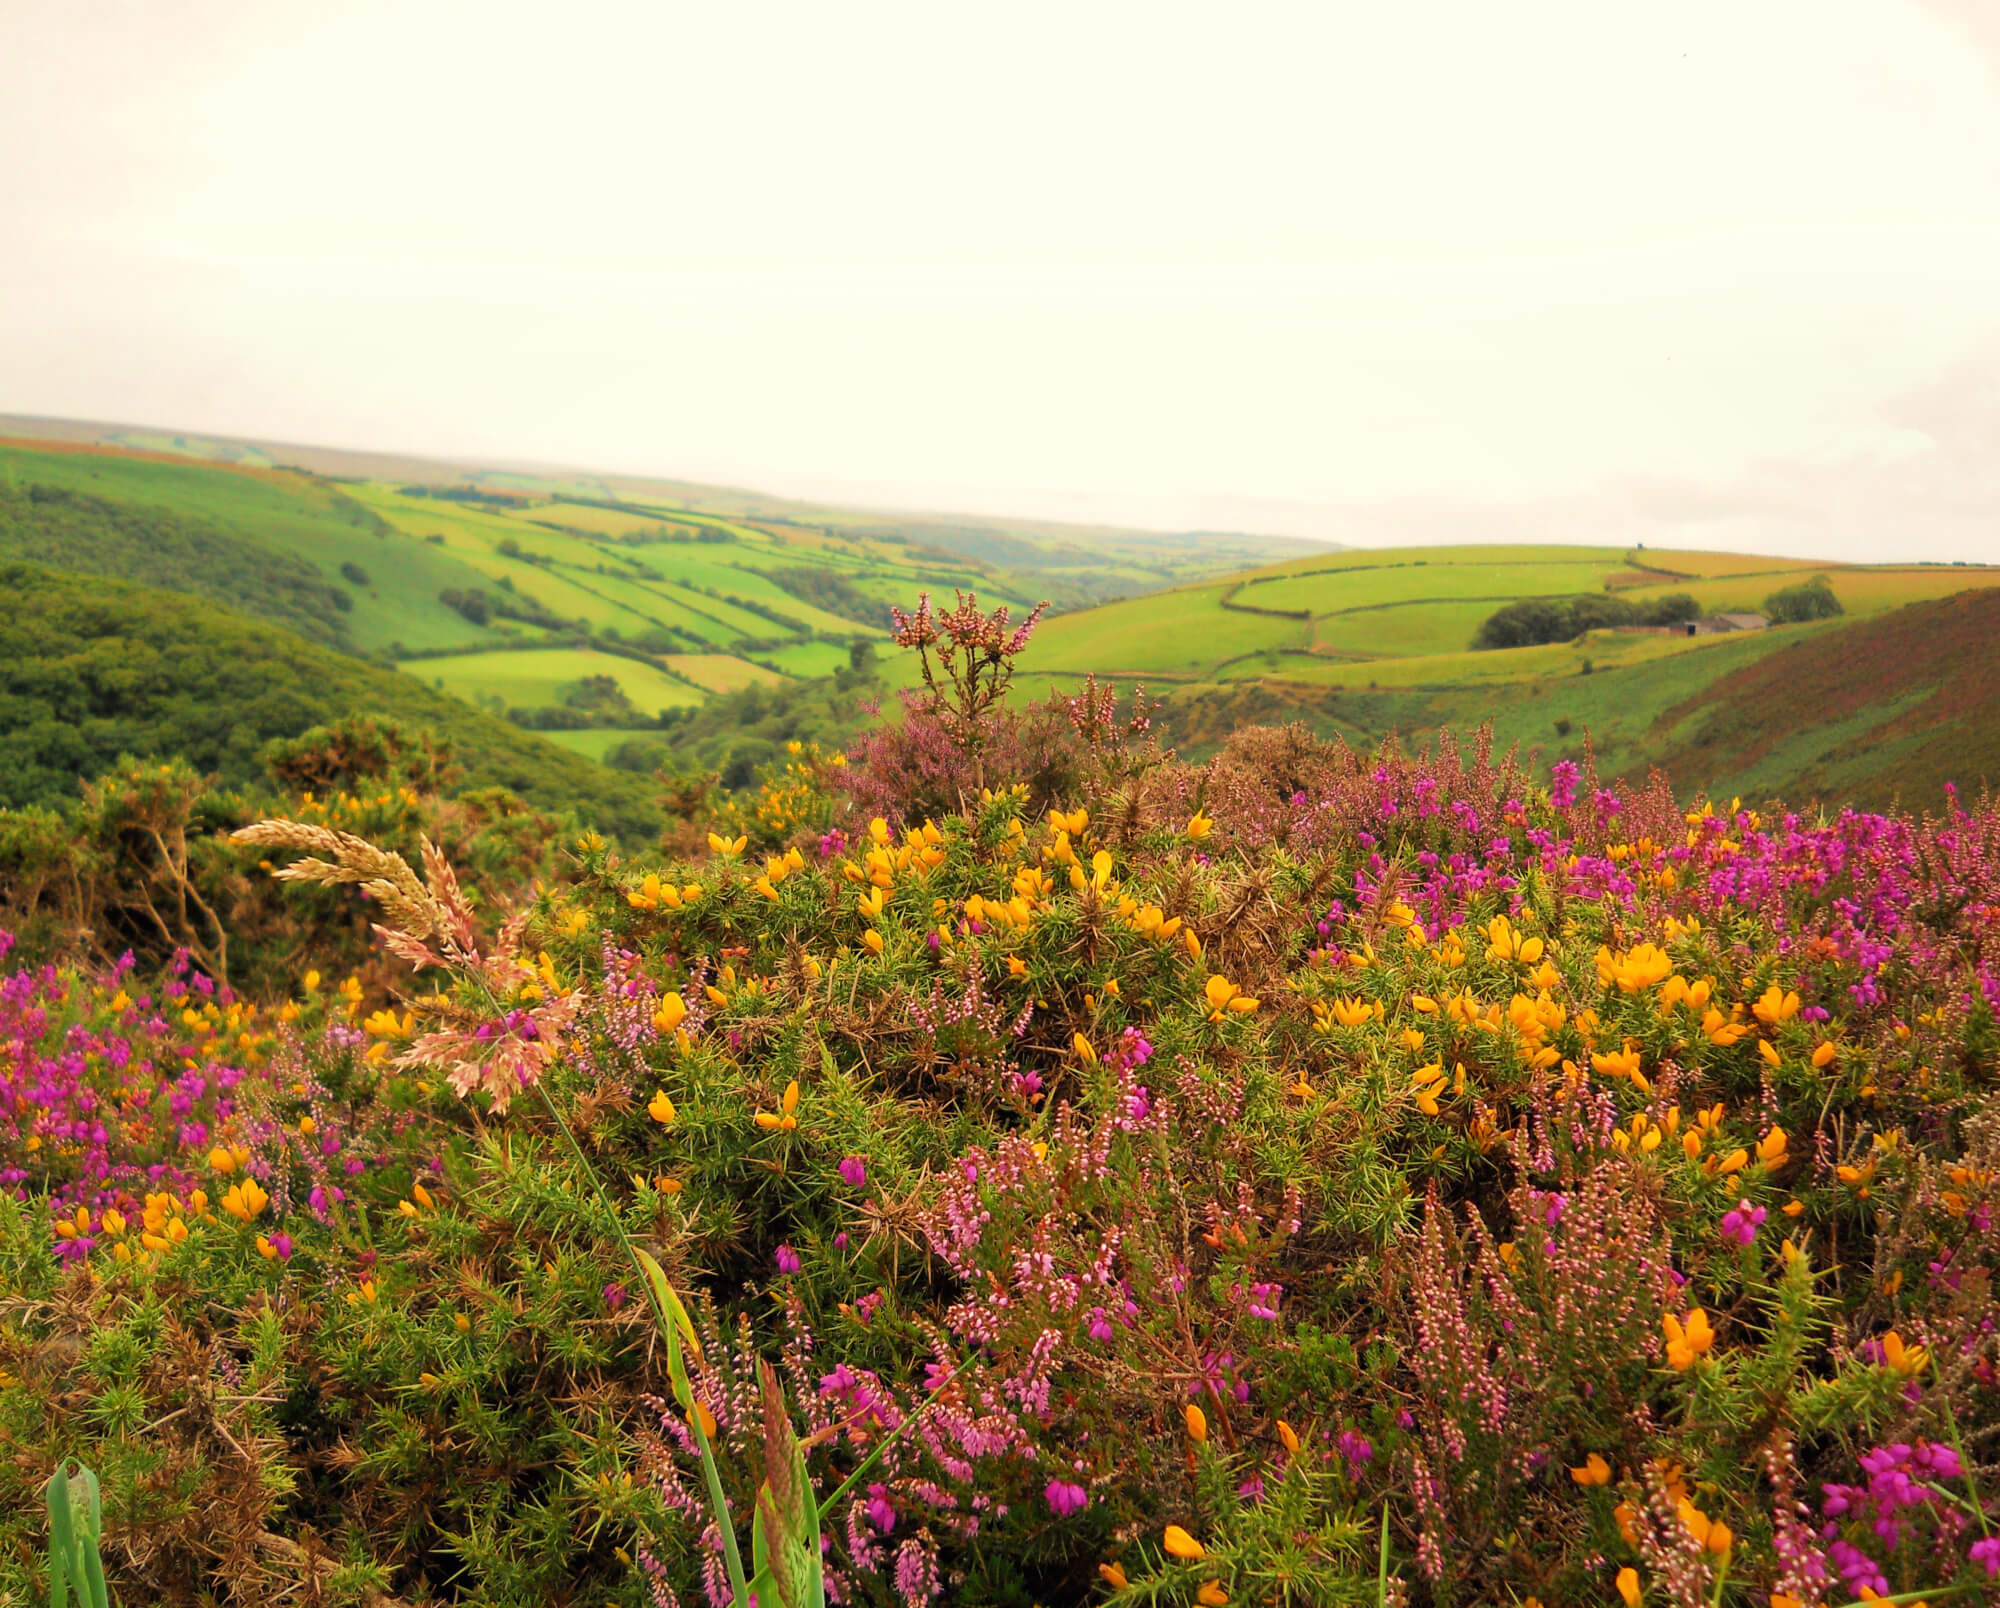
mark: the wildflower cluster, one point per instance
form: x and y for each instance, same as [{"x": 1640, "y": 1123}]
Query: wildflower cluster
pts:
[{"x": 1179, "y": 1193}]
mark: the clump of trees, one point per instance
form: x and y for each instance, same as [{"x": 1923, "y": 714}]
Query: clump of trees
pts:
[
  {"x": 593, "y": 702},
  {"x": 1809, "y": 600},
  {"x": 1538, "y": 620}
]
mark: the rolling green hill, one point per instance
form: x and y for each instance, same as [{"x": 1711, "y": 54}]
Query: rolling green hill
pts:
[
  {"x": 510, "y": 589},
  {"x": 92, "y": 668},
  {"x": 1369, "y": 643},
  {"x": 281, "y": 512},
  {"x": 637, "y": 619}
]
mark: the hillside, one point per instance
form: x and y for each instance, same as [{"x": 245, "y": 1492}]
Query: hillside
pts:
[
  {"x": 1365, "y": 644},
  {"x": 596, "y": 608},
  {"x": 640, "y": 620},
  {"x": 92, "y": 668},
  {"x": 391, "y": 582},
  {"x": 1877, "y": 713}
]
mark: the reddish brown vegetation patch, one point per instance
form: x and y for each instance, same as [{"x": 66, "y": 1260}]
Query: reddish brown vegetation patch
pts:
[{"x": 1945, "y": 655}]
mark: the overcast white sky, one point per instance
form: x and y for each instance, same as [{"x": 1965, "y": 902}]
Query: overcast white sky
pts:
[{"x": 1719, "y": 272}]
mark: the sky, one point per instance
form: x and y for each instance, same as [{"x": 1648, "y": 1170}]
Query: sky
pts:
[{"x": 1717, "y": 273}]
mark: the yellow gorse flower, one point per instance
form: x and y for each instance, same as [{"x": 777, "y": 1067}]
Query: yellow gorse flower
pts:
[
  {"x": 1776, "y": 1006},
  {"x": 654, "y": 894},
  {"x": 672, "y": 1012},
  {"x": 1688, "y": 1339},
  {"x": 1510, "y": 947},
  {"x": 1906, "y": 1360},
  {"x": 245, "y": 1200},
  {"x": 1634, "y": 969},
  {"x": 1594, "y": 1471},
  {"x": 1225, "y": 998},
  {"x": 785, "y": 1118}
]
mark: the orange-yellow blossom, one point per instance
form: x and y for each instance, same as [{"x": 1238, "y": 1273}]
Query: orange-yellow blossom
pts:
[
  {"x": 1687, "y": 1338},
  {"x": 785, "y": 1119},
  {"x": 1224, "y": 997}
]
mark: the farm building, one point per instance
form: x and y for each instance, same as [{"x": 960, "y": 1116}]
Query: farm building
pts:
[{"x": 1716, "y": 624}]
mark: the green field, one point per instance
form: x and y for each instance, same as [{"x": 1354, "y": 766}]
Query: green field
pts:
[
  {"x": 744, "y": 608},
  {"x": 807, "y": 659},
  {"x": 1386, "y": 649},
  {"x": 536, "y": 678}
]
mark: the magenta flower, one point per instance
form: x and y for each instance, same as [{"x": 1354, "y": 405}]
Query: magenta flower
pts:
[
  {"x": 854, "y": 1171},
  {"x": 1740, "y": 1225},
  {"x": 614, "y": 1296},
  {"x": 788, "y": 1259},
  {"x": 1065, "y": 1498},
  {"x": 881, "y": 1513}
]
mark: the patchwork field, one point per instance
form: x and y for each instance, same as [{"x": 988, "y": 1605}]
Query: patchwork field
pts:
[
  {"x": 738, "y": 620},
  {"x": 1367, "y": 644},
  {"x": 503, "y": 588}
]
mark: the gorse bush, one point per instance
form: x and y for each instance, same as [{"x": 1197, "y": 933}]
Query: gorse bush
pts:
[{"x": 1185, "y": 1185}]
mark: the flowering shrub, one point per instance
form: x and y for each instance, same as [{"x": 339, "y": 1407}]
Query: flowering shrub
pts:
[{"x": 1222, "y": 1184}]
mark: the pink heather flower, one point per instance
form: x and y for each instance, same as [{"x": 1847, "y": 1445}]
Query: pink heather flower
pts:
[
  {"x": 1065, "y": 1498},
  {"x": 1986, "y": 1554},
  {"x": 1741, "y": 1224},
  {"x": 881, "y": 1513},
  {"x": 614, "y": 1296},
  {"x": 282, "y": 1244},
  {"x": 854, "y": 1171},
  {"x": 788, "y": 1259},
  {"x": 916, "y": 1573}
]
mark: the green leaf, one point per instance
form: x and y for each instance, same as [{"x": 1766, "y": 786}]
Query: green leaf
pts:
[
  {"x": 678, "y": 1324},
  {"x": 73, "y": 1539},
  {"x": 62, "y": 1537}
]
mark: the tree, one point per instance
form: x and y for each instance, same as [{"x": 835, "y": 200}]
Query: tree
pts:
[{"x": 1810, "y": 600}]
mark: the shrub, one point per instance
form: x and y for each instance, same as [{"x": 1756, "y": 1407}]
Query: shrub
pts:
[{"x": 1210, "y": 1174}]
